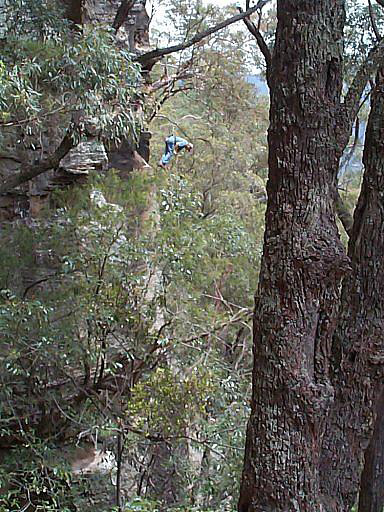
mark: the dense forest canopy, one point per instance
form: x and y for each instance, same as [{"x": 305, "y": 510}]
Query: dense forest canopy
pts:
[{"x": 133, "y": 347}]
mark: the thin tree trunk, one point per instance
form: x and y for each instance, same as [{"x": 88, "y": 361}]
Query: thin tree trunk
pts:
[
  {"x": 119, "y": 463},
  {"x": 371, "y": 498},
  {"x": 358, "y": 344},
  {"x": 302, "y": 264}
]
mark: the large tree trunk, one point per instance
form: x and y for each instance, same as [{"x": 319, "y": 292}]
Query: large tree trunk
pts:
[
  {"x": 358, "y": 345},
  {"x": 371, "y": 498},
  {"x": 302, "y": 264}
]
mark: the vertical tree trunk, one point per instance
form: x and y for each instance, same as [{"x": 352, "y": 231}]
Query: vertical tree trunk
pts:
[
  {"x": 358, "y": 345},
  {"x": 371, "y": 498},
  {"x": 302, "y": 263}
]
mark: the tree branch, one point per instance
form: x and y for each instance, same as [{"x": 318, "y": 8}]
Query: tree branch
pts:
[
  {"x": 259, "y": 38},
  {"x": 351, "y": 102},
  {"x": 122, "y": 13},
  {"x": 10, "y": 156},
  {"x": 154, "y": 55},
  {"x": 31, "y": 171},
  {"x": 373, "y": 21},
  {"x": 380, "y": 2}
]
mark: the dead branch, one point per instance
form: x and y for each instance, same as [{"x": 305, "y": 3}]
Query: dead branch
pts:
[
  {"x": 169, "y": 93},
  {"x": 167, "y": 81}
]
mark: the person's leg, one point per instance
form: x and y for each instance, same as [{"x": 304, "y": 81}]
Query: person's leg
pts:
[{"x": 169, "y": 148}]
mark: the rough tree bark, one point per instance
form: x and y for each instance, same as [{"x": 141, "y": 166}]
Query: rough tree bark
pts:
[
  {"x": 358, "y": 344},
  {"x": 303, "y": 262},
  {"x": 371, "y": 498}
]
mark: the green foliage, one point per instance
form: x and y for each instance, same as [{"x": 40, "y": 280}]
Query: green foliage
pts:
[
  {"x": 82, "y": 347},
  {"x": 33, "y": 485},
  {"x": 210, "y": 242},
  {"x": 52, "y": 71},
  {"x": 359, "y": 34},
  {"x": 83, "y": 329},
  {"x": 141, "y": 505},
  {"x": 166, "y": 403},
  {"x": 126, "y": 311},
  {"x": 43, "y": 20}
]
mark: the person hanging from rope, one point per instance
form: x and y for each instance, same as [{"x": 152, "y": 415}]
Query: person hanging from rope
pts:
[{"x": 173, "y": 145}]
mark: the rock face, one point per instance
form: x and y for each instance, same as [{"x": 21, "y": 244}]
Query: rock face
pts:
[
  {"x": 128, "y": 155},
  {"x": 89, "y": 156},
  {"x": 32, "y": 197},
  {"x": 92, "y": 461},
  {"x": 86, "y": 157},
  {"x": 134, "y": 31}
]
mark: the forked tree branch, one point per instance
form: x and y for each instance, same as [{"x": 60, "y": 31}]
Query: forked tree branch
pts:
[
  {"x": 259, "y": 38},
  {"x": 373, "y": 21},
  {"x": 155, "y": 55}
]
